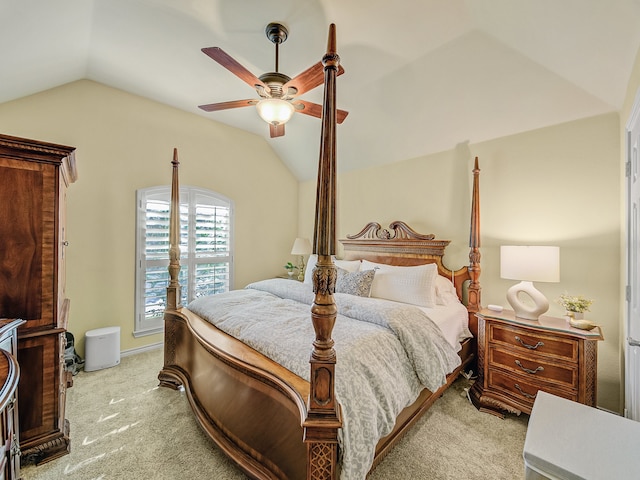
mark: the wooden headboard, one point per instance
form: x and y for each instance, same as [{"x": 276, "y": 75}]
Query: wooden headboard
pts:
[{"x": 401, "y": 245}]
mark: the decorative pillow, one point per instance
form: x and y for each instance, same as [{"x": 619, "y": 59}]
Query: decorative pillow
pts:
[
  {"x": 414, "y": 285},
  {"x": 355, "y": 283},
  {"x": 348, "y": 265}
]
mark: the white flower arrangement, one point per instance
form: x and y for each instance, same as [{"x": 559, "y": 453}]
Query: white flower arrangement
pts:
[{"x": 575, "y": 303}]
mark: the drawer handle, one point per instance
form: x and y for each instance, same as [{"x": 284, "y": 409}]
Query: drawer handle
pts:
[
  {"x": 528, "y": 395},
  {"x": 530, "y": 347},
  {"x": 528, "y": 370}
]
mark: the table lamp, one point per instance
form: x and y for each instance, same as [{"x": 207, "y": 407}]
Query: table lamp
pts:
[
  {"x": 301, "y": 247},
  {"x": 529, "y": 264}
]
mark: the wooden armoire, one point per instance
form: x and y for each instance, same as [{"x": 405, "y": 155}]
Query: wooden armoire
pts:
[{"x": 34, "y": 177}]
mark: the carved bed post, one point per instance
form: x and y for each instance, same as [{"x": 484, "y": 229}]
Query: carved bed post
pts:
[
  {"x": 323, "y": 411},
  {"x": 474, "y": 290},
  {"x": 173, "y": 289}
]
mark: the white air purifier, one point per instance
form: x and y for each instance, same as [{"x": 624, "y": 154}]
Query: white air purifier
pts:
[{"x": 101, "y": 348}]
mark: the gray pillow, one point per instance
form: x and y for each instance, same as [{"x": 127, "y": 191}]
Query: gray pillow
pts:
[{"x": 354, "y": 283}]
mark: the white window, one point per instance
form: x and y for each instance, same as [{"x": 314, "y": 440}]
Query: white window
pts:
[{"x": 205, "y": 250}]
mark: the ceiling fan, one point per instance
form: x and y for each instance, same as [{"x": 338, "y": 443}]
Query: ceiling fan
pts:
[{"x": 278, "y": 92}]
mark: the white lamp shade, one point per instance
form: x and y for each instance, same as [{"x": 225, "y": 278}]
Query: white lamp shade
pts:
[
  {"x": 275, "y": 110},
  {"x": 530, "y": 263},
  {"x": 301, "y": 246}
]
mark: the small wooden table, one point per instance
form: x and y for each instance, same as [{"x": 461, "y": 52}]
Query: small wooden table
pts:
[{"x": 519, "y": 357}]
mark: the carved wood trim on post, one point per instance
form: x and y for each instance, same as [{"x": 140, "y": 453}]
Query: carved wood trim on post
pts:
[
  {"x": 173, "y": 289},
  {"x": 323, "y": 411},
  {"x": 474, "y": 300}
]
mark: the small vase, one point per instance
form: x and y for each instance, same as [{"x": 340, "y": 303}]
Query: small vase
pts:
[
  {"x": 575, "y": 315},
  {"x": 290, "y": 273}
]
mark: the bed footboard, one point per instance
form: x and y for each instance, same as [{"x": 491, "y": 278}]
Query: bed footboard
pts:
[{"x": 249, "y": 406}]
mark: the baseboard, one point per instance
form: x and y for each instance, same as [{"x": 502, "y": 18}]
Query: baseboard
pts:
[
  {"x": 146, "y": 348},
  {"x": 610, "y": 411}
]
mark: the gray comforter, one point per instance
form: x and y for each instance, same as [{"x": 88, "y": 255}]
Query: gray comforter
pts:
[{"x": 386, "y": 353}]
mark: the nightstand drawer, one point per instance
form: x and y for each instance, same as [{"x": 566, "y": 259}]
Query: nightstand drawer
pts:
[
  {"x": 523, "y": 390},
  {"x": 534, "y": 367},
  {"x": 528, "y": 341}
]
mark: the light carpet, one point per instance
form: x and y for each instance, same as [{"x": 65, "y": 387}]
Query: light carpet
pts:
[{"x": 123, "y": 426}]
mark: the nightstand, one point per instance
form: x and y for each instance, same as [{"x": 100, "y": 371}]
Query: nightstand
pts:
[{"x": 518, "y": 357}]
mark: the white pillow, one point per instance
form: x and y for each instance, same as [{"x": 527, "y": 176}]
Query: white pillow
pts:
[
  {"x": 348, "y": 265},
  {"x": 445, "y": 291},
  {"x": 308, "y": 268},
  {"x": 447, "y": 298},
  {"x": 414, "y": 285},
  {"x": 443, "y": 284}
]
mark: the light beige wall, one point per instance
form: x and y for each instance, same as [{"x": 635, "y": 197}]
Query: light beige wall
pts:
[
  {"x": 555, "y": 186},
  {"x": 124, "y": 143}
]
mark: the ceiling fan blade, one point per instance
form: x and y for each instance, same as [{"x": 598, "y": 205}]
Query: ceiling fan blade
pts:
[
  {"x": 224, "y": 59},
  {"x": 309, "y": 79},
  {"x": 214, "y": 107},
  {"x": 276, "y": 130},
  {"x": 341, "y": 115},
  {"x": 315, "y": 110}
]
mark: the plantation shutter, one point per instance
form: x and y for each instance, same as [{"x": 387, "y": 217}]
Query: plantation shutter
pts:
[
  {"x": 205, "y": 250},
  {"x": 212, "y": 246}
]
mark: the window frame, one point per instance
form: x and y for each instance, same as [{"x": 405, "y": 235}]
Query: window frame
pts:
[{"x": 189, "y": 197}]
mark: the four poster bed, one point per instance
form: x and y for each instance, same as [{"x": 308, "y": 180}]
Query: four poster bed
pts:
[{"x": 268, "y": 386}]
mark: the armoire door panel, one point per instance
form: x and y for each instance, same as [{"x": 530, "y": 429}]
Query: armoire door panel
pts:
[
  {"x": 28, "y": 237},
  {"x": 21, "y": 238}
]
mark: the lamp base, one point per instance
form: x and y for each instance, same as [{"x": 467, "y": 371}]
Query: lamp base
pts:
[
  {"x": 526, "y": 310},
  {"x": 301, "y": 269}
]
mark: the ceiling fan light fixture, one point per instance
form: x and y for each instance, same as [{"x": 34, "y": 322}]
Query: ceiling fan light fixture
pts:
[
  {"x": 277, "y": 92},
  {"x": 275, "y": 110}
]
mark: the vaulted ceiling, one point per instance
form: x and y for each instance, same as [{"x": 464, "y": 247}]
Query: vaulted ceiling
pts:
[{"x": 420, "y": 76}]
